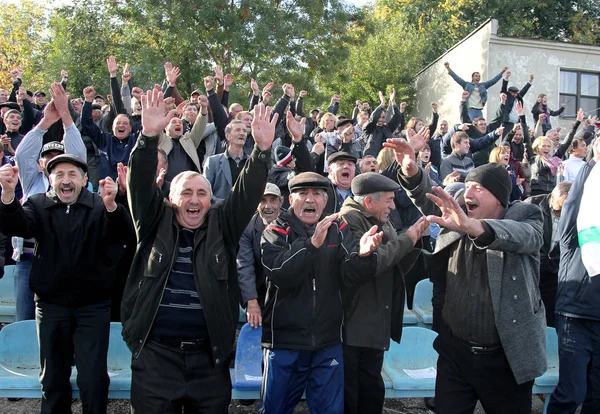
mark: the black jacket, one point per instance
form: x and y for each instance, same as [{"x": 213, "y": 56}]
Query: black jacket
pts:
[
  {"x": 375, "y": 135},
  {"x": 510, "y": 100},
  {"x": 215, "y": 246},
  {"x": 303, "y": 308},
  {"x": 74, "y": 263}
]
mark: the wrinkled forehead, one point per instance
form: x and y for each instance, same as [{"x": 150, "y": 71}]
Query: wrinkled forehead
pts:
[{"x": 195, "y": 183}]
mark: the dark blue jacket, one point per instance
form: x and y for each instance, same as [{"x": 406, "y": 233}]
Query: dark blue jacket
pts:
[{"x": 578, "y": 293}]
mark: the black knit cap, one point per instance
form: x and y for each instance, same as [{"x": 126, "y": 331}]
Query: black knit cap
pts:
[{"x": 494, "y": 178}]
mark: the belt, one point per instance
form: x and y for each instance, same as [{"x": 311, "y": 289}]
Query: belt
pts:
[
  {"x": 184, "y": 344},
  {"x": 480, "y": 349}
]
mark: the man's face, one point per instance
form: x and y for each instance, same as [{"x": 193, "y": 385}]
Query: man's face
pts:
[
  {"x": 175, "y": 128},
  {"x": 513, "y": 93},
  {"x": 269, "y": 207},
  {"x": 121, "y": 127},
  {"x": 3, "y": 95},
  {"x": 424, "y": 155},
  {"x": 554, "y": 136},
  {"x": 518, "y": 137},
  {"x": 99, "y": 101},
  {"x": 237, "y": 135},
  {"x": 480, "y": 203},
  {"x": 362, "y": 118},
  {"x": 45, "y": 159},
  {"x": 194, "y": 98},
  {"x": 40, "y": 99},
  {"x": 96, "y": 114},
  {"x": 557, "y": 201},
  {"x": 247, "y": 120},
  {"x": 581, "y": 150},
  {"x": 381, "y": 208},
  {"x": 190, "y": 113},
  {"x": 12, "y": 121},
  {"x": 341, "y": 173},
  {"x": 308, "y": 204},
  {"x": 443, "y": 127},
  {"x": 76, "y": 105},
  {"x": 481, "y": 126},
  {"x": 67, "y": 181},
  {"x": 463, "y": 147},
  {"x": 191, "y": 200},
  {"x": 369, "y": 164},
  {"x": 235, "y": 109},
  {"x": 381, "y": 120},
  {"x": 136, "y": 106},
  {"x": 313, "y": 115},
  {"x": 160, "y": 164},
  {"x": 476, "y": 77}
]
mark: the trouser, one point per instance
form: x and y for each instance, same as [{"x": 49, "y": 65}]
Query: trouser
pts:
[
  {"x": 25, "y": 304},
  {"x": 548, "y": 294},
  {"x": 62, "y": 333},
  {"x": 364, "y": 390},
  {"x": 474, "y": 113},
  {"x": 170, "y": 379},
  {"x": 579, "y": 366},
  {"x": 463, "y": 377},
  {"x": 287, "y": 373}
]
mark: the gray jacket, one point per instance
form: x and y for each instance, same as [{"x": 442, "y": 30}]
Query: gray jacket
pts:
[
  {"x": 218, "y": 174},
  {"x": 513, "y": 261}
]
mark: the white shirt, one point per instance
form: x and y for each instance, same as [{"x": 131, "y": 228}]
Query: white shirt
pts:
[{"x": 572, "y": 167}]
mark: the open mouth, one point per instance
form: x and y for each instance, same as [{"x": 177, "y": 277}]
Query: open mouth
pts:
[
  {"x": 308, "y": 211},
  {"x": 268, "y": 211},
  {"x": 471, "y": 206},
  {"x": 121, "y": 130},
  {"x": 194, "y": 212},
  {"x": 67, "y": 191},
  {"x": 346, "y": 174}
]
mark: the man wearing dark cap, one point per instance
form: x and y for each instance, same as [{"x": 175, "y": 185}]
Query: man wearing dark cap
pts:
[
  {"x": 32, "y": 157},
  {"x": 490, "y": 258},
  {"x": 307, "y": 260},
  {"x": 342, "y": 170},
  {"x": 513, "y": 95},
  {"x": 76, "y": 232},
  {"x": 12, "y": 138},
  {"x": 373, "y": 311},
  {"x": 39, "y": 97}
]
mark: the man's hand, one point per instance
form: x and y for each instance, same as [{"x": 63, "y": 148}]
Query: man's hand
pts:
[
  {"x": 453, "y": 177},
  {"x": 108, "y": 192},
  {"x": 219, "y": 75},
  {"x": 154, "y": 119},
  {"x": 266, "y": 96},
  {"x": 416, "y": 231},
  {"x": 580, "y": 115},
  {"x": 160, "y": 178},
  {"x": 137, "y": 93},
  {"x": 172, "y": 76},
  {"x": 564, "y": 105},
  {"x": 369, "y": 241},
  {"x": 64, "y": 74},
  {"x": 254, "y": 87},
  {"x": 60, "y": 99},
  {"x": 464, "y": 127},
  {"x": 542, "y": 117},
  {"x": 296, "y": 128},
  {"x": 51, "y": 115},
  {"x": 9, "y": 177},
  {"x": 402, "y": 107},
  {"x": 393, "y": 96},
  {"x": 303, "y": 93},
  {"x": 465, "y": 95},
  {"x": 88, "y": 93},
  {"x": 209, "y": 83},
  {"x": 499, "y": 131},
  {"x": 434, "y": 107},
  {"x": 503, "y": 98},
  {"x": 507, "y": 74},
  {"x": 318, "y": 148},
  {"x": 125, "y": 76},
  {"x": 268, "y": 87},
  {"x": 321, "y": 229},
  {"x": 418, "y": 140},
  {"x": 180, "y": 107},
  {"x": 381, "y": 98},
  {"x": 113, "y": 68},
  {"x": 531, "y": 77},
  {"x": 263, "y": 131},
  {"x": 16, "y": 73},
  {"x": 288, "y": 89},
  {"x": 405, "y": 155},
  {"x": 203, "y": 101},
  {"x": 520, "y": 108},
  {"x": 447, "y": 66},
  {"x": 228, "y": 81},
  {"x": 169, "y": 102},
  {"x": 335, "y": 99},
  {"x": 504, "y": 69},
  {"x": 348, "y": 134},
  {"x": 122, "y": 178},
  {"x": 358, "y": 103},
  {"x": 253, "y": 313},
  {"x": 453, "y": 217},
  {"x": 23, "y": 93}
]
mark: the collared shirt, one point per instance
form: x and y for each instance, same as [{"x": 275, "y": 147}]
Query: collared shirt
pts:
[
  {"x": 555, "y": 219},
  {"x": 468, "y": 309},
  {"x": 236, "y": 164}
]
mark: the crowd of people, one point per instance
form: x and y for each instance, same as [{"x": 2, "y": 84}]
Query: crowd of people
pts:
[{"x": 168, "y": 213}]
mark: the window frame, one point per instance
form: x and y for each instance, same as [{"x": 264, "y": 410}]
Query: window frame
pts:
[{"x": 578, "y": 94}]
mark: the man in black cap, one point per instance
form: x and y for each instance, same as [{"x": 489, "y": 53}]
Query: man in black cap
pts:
[
  {"x": 490, "y": 258},
  {"x": 72, "y": 274},
  {"x": 342, "y": 170},
  {"x": 39, "y": 97},
  {"x": 308, "y": 259},
  {"x": 12, "y": 138},
  {"x": 373, "y": 311},
  {"x": 513, "y": 95}
]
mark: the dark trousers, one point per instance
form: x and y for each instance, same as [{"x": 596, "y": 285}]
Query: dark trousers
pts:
[
  {"x": 579, "y": 366},
  {"x": 167, "y": 380},
  {"x": 464, "y": 377},
  {"x": 62, "y": 333},
  {"x": 548, "y": 295},
  {"x": 287, "y": 373},
  {"x": 364, "y": 390}
]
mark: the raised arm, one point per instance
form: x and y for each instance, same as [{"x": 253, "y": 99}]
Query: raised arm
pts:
[
  {"x": 88, "y": 126},
  {"x": 563, "y": 147}
]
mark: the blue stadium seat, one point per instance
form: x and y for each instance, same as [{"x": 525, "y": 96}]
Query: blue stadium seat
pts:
[
  {"x": 242, "y": 318},
  {"x": 409, "y": 318},
  {"x": 547, "y": 382},
  {"x": 7, "y": 295},
  {"x": 414, "y": 352},
  {"x": 20, "y": 363},
  {"x": 247, "y": 371},
  {"x": 422, "y": 301}
]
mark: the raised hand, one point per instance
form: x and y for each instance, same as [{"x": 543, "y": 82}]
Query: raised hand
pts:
[
  {"x": 51, "y": 115},
  {"x": 318, "y": 148},
  {"x": 169, "y": 102},
  {"x": 263, "y": 130},
  {"x": 122, "y": 178},
  {"x": 453, "y": 217},
  {"x": 219, "y": 74},
  {"x": 9, "y": 177},
  {"x": 296, "y": 128},
  {"x": 393, "y": 96},
  {"x": 108, "y": 192},
  {"x": 16, "y": 73},
  {"x": 125, "y": 76},
  {"x": 112, "y": 66},
  {"x": 504, "y": 69},
  {"x": 303, "y": 93},
  {"x": 64, "y": 74},
  {"x": 369, "y": 241},
  {"x": 88, "y": 93},
  {"x": 381, "y": 98},
  {"x": 228, "y": 81},
  {"x": 321, "y": 229},
  {"x": 416, "y": 231},
  {"x": 531, "y": 77},
  {"x": 203, "y": 101},
  {"x": 447, "y": 66},
  {"x": 453, "y": 177},
  {"x": 180, "y": 108},
  {"x": 507, "y": 74},
  {"x": 465, "y": 95},
  {"x": 434, "y": 107},
  {"x": 503, "y": 98},
  {"x": 268, "y": 87},
  {"x": 348, "y": 134},
  {"x": 402, "y": 107},
  {"x": 405, "y": 155},
  {"x": 499, "y": 131},
  {"x": 154, "y": 119},
  {"x": 580, "y": 115},
  {"x": 137, "y": 92},
  {"x": 209, "y": 83},
  {"x": 564, "y": 105},
  {"x": 335, "y": 98},
  {"x": 254, "y": 87},
  {"x": 418, "y": 140},
  {"x": 520, "y": 108},
  {"x": 288, "y": 89},
  {"x": 173, "y": 75}
]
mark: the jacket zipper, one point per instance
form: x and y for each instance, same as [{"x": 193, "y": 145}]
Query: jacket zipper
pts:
[
  {"x": 161, "y": 295},
  {"x": 314, "y": 309}
]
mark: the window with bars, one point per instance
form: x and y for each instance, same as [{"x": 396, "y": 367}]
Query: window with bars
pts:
[{"x": 580, "y": 90}]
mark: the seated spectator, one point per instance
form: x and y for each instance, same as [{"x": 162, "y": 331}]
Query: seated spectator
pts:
[
  {"x": 541, "y": 107},
  {"x": 544, "y": 167},
  {"x": 458, "y": 162},
  {"x": 577, "y": 154},
  {"x": 501, "y": 155}
]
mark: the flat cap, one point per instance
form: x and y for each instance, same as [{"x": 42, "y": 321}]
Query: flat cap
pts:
[
  {"x": 70, "y": 158},
  {"x": 341, "y": 156},
  {"x": 11, "y": 105},
  {"x": 308, "y": 180},
  {"x": 513, "y": 89},
  {"x": 370, "y": 182},
  {"x": 52, "y": 146},
  {"x": 340, "y": 123},
  {"x": 196, "y": 92}
]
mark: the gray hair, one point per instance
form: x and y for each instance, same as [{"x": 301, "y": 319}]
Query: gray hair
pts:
[
  {"x": 185, "y": 175},
  {"x": 360, "y": 164},
  {"x": 562, "y": 189},
  {"x": 361, "y": 199}
]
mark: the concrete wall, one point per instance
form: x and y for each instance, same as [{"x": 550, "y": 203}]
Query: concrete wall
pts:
[{"x": 488, "y": 53}]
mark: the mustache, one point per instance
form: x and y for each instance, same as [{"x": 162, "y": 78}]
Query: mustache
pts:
[
  {"x": 67, "y": 187},
  {"x": 268, "y": 210}
]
